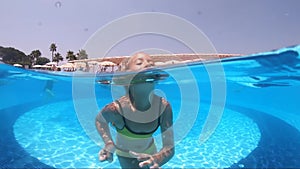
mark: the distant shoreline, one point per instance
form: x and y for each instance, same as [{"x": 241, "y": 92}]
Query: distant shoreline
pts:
[
  {"x": 112, "y": 64},
  {"x": 163, "y": 58}
]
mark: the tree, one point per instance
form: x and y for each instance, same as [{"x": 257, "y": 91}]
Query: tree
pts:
[
  {"x": 82, "y": 54},
  {"x": 11, "y": 56},
  {"x": 34, "y": 55},
  {"x": 53, "y": 48},
  {"x": 42, "y": 60},
  {"x": 70, "y": 56},
  {"x": 26, "y": 60},
  {"x": 57, "y": 57}
]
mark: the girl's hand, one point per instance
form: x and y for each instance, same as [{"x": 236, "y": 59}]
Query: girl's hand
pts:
[
  {"x": 146, "y": 160},
  {"x": 106, "y": 154}
]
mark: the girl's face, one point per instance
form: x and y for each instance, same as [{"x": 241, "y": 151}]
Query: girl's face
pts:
[{"x": 140, "y": 61}]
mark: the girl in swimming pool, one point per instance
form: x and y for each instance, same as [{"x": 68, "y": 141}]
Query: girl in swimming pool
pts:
[{"x": 136, "y": 116}]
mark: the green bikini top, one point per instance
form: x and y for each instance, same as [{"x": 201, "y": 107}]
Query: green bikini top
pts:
[{"x": 126, "y": 131}]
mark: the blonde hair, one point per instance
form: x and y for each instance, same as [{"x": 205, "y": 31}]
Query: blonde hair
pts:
[{"x": 127, "y": 60}]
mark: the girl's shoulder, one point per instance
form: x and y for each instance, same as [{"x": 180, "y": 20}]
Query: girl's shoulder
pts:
[
  {"x": 111, "y": 107},
  {"x": 164, "y": 101}
]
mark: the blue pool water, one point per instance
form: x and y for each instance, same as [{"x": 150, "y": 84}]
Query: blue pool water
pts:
[{"x": 47, "y": 120}]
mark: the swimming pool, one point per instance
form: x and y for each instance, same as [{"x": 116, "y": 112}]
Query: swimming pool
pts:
[{"x": 41, "y": 125}]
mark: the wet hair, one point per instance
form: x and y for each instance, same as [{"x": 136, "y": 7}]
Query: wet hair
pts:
[{"x": 127, "y": 60}]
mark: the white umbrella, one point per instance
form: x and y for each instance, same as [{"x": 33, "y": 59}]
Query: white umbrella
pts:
[
  {"x": 80, "y": 64},
  {"x": 17, "y": 65},
  {"x": 93, "y": 63},
  {"x": 45, "y": 66},
  {"x": 37, "y": 66},
  {"x": 67, "y": 65},
  {"x": 51, "y": 63},
  {"x": 107, "y": 63}
]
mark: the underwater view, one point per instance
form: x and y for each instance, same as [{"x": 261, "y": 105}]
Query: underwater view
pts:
[{"x": 237, "y": 112}]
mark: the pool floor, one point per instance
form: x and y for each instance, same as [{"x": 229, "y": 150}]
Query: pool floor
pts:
[{"x": 278, "y": 146}]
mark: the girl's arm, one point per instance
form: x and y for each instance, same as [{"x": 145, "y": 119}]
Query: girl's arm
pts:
[
  {"x": 101, "y": 122},
  {"x": 168, "y": 149}
]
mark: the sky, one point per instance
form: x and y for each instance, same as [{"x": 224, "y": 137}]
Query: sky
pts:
[{"x": 231, "y": 26}]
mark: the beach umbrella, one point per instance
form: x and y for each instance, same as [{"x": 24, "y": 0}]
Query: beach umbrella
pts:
[
  {"x": 46, "y": 66},
  {"x": 93, "y": 63},
  {"x": 107, "y": 63},
  {"x": 17, "y": 65},
  {"x": 80, "y": 64},
  {"x": 37, "y": 66},
  {"x": 51, "y": 63},
  {"x": 67, "y": 65}
]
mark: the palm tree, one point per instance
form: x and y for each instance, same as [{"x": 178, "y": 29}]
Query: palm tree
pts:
[
  {"x": 57, "y": 57},
  {"x": 71, "y": 56},
  {"x": 52, "y": 49},
  {"x": 34, "y": 55},
  {"x": 82, "y": 54}
]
